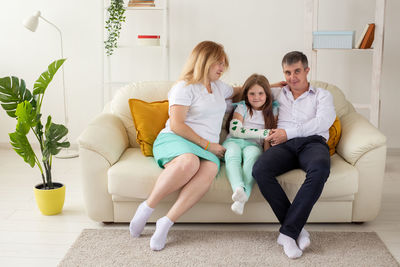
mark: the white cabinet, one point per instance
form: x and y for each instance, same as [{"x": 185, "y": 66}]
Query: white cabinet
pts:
[
  {"x": 132, "y": 62},
  {"x": 311, "y": 24}
]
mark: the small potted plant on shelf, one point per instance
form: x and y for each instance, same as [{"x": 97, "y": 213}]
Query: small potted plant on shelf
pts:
[
  {"x": 25, "y": 106},
  {"x": 116, "y": 12}
]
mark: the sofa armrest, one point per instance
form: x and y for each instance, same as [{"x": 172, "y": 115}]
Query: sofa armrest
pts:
[
  {"x": 105, "y": 135},
  {"x": 358, "y": 137}
]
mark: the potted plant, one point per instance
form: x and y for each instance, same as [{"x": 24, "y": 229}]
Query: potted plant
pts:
[
  {"x": 116, "y": 12},
  {"x": 25, "y": 106}
]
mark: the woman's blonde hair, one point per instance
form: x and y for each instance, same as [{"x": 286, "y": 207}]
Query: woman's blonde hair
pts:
[{"x": 202, "y": 57}]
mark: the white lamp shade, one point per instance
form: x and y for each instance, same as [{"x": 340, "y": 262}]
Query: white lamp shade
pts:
[{"x": 32, "y": 22}]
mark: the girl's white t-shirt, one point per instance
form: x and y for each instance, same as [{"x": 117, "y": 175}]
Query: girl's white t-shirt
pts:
[{"x": 206, "y": 110}]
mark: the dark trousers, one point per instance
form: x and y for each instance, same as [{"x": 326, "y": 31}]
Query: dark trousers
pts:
[{"x": 310, "y": 154}]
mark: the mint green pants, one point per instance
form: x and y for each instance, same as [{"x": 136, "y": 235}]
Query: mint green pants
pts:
[{"x": 237, "y": 151}]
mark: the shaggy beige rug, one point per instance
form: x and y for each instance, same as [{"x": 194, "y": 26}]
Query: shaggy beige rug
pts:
[{"x": 115, "y": 247}]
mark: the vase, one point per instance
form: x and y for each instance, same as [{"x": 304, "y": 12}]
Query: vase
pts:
[{"x": 50, "y": 201}]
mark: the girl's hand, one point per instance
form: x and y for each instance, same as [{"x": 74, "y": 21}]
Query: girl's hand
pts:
[
  {"x": 216, "y": 149},
  {"x": 279, "y": 84},
  {"x": 266, "y": 144}
]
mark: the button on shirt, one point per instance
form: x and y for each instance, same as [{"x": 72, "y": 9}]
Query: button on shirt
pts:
[{"x": 312, "y": 113}]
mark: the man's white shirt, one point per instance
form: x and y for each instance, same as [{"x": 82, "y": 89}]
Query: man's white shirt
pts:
[{"x": 312, "y": 113}]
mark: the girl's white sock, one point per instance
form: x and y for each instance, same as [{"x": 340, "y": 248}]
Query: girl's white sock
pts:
[
  {"x": 304, "y": 239},
  {"x": 237, "y": 207},
  {"x": 157, "y": 241},
  {"x": 138, "y": 221},
  {"x": 289, "y": 246},
  {"x": 239, "y": 195}
]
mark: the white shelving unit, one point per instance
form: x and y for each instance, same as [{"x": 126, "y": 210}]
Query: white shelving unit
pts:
[
  {"x": 112, "y": 64},
  {"x": 311, "y": 24}
]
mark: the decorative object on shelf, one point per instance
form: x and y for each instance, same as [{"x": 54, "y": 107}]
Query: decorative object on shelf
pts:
[
  {"x": 24, "y": 105},
  {"x": 357, "y": 46},
  {"x": 141, "y": 3},
  {"x": 31, "y": 24},
  {"x": 368, "y": 37},
  {"x": 148, "y": 40},
  {"x": 333, "y": 39},
  {"x": 116, "y": 16}
]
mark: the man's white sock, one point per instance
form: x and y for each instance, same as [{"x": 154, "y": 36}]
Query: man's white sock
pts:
[
  {"x": 304, "y": 239},
  {"x": 289, "y": 246},
  {"x": 157, "y": 241},
  {"x": 138, "y": 221},
  {"x": 239, "y": 195}
]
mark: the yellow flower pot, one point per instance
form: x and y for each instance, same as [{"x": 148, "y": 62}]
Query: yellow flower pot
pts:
[{"x": 50, "y": 201}]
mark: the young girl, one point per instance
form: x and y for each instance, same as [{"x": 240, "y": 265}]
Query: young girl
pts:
[{"x": 252, "y": 118}]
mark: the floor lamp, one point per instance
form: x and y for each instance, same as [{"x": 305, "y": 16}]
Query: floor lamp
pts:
[{"x": 31, "y": 24}]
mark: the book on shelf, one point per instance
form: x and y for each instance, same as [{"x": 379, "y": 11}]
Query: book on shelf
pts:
[
  {"x": 141, "y": 3},
  {"x": 361, "y": 36},
  {"x": 369, "y": 37},
  {"x": 366, "y": 37}
]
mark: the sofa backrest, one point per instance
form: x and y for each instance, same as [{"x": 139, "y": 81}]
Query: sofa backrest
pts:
[
  {"x": 342, "y": 106},
  {"x": 146, "y": 91},
  {"x": 156, "y": 91}
]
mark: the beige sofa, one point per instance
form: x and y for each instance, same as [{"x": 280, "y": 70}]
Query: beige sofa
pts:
[{"x": 116, "y": 176}]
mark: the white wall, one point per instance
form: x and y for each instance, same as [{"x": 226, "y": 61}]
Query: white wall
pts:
[{"x": 255, "y": 33}]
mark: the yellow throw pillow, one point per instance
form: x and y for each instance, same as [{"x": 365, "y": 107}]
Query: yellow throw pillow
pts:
[
  {"x": 149, "y": 120},
  {"x": 334, "y": 136}
]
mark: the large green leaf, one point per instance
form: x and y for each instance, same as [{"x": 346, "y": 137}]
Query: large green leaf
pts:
[
  {"x": 21, "y": 145},
  {"x": 46, "y": 77},
  {"x": 26, "y": 114},
  {"x": 54, "y": 133},
  {"x": 12, "y": 92}
]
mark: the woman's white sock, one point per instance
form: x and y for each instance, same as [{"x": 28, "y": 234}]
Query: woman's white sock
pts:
[
  {"x": 157, "y": 241},
  {"x": 304, "y": 239},
  {"x": 289, "y": 246},
  {"x": 138, "y": 221},
  {"x": 239, "y": 195}
]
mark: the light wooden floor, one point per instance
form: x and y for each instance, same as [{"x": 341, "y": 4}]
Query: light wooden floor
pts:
[{"x": 28, "y": 238}]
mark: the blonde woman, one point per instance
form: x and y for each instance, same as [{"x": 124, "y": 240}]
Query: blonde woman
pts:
[{"x": 188, "y": 147}]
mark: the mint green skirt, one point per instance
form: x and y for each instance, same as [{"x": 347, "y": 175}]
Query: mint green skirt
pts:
[{"x": 168, "y": 146}]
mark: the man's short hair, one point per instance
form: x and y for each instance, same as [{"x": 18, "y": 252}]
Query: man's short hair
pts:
[{"x": 294, "y": 57}]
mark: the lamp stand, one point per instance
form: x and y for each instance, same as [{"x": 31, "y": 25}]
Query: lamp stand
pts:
[{"x": 65, "y": 153}]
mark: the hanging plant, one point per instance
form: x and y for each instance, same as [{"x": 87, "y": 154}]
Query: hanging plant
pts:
[{"x": 116, "y": 12}]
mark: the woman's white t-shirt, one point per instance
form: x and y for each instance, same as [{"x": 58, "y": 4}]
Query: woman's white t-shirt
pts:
[{"x": 206, "y": 110}]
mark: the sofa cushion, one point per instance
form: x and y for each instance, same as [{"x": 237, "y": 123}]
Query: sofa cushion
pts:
[
  {"x": 149, "y": 119},
  {"x": 134, "y": 175},
  {"x": 146, "y": 91},
  {"x": 334, "y": 136}
]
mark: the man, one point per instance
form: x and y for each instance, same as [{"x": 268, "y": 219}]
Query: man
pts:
[{"x": 305, "y": 116}]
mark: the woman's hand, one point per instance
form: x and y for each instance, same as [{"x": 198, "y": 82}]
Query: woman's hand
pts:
[
  {"x": 279, "y": 84},
  {"x": 216, "y": 149}
]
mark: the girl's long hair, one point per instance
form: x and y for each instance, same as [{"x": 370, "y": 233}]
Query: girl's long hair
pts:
[
  {"x": 202, "y": 57},
  {"x": 261, "y": 80}
]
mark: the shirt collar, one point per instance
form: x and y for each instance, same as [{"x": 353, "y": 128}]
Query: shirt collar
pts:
[{"x": 310, "y": 89}]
